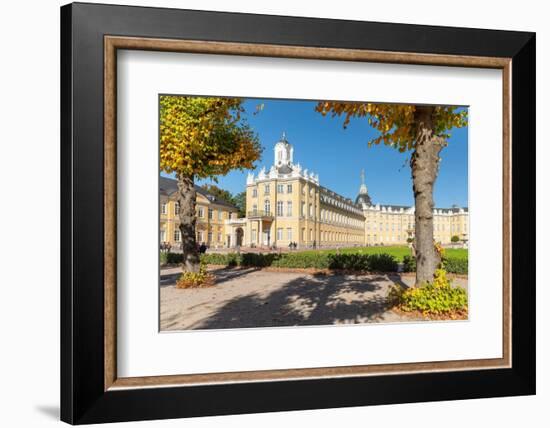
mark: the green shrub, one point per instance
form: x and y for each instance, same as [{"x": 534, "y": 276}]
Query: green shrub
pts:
[
  {"x": 301, "y": 260},
  {"x": 450, "y": 264},
  {"x": 436, "y": 297},
  {"x": 382, "y": 263},
  {"x": 316, "y": 260},
  {"x": 258, "y": 260},
  {"x": 409, "y": 264},
  {"x": 349, "y": 261},
  {"x": 170, "y": 258},
  {"x": 455, "y": 238},
  {"x": 456, "y": 265},
  {"x": 230, "y": 259}
]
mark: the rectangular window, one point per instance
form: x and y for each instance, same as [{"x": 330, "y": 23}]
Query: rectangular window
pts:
[
  {"x": 280, "y": 188},
  {"x": 280, "y": 208},
  {"x": 266, "y": 189},
  {"x": 255, "y": 192},
  {"x": 163, "y": 235},
  {"x": 201, "y": 212},
  {"x": 279, "y": 233},
  {"x": 303, "y": 209},
  {"x": 200, "y": 237},
  {"x": 253, "y": 235},
  {"x": 289, "y": 208},
  {"x": 176, "y": 208},
  {"x": 289, "y": 188},
  {"x": 177, "y": 235},
  {"x": 163, "y": 208},
  {"x": 220, "y": 216},
  {"x": 289, "y": 233},
  {"x": 310, "y": 210},
  {"x": 210, "y": 213},
  {"x": 209, "y": 237},
  {"x": 311, "y": 234}
]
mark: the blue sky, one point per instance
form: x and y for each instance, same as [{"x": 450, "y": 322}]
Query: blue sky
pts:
[{"x": 338, "y": 155}]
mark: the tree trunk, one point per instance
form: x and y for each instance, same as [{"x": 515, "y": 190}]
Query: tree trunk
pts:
[
  {"x": 187, "y": 198},
  {"x": 424, "y": 166}
]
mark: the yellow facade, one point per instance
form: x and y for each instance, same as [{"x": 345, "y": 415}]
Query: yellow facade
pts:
[
  {"x": 212, "y": 216},
  {"x": 295, "y": 209},
  {"x": 286, "y": 204},
  {"x": 390, "y": 225}
]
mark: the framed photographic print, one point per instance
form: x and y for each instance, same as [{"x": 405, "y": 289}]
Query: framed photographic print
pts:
[{"x": 265, "y": 213}]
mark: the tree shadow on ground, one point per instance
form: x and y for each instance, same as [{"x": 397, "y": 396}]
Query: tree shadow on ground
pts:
[
  {"x": 308, "y": 300},
  {"x": 169, "y": 279},
  {"x": 222, "y": 275},
  {"x": 397, "y": 280},
  {"x": 225, "y": 274}
]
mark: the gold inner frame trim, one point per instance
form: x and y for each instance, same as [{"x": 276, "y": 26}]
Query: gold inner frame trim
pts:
[{"x": 113, "y": 43}]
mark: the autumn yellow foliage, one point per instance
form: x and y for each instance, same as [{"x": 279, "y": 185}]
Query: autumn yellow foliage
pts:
[
  {"x": 204, "y": 137},
  {"x": 395, "y": 122}
]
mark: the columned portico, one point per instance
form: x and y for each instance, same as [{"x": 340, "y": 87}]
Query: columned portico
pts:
[
  {"x": 260, "y": 221},
  {"x": 260, "y": 232}
]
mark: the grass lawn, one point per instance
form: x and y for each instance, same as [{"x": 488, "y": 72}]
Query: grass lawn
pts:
[{"x": 398, "y": 251}]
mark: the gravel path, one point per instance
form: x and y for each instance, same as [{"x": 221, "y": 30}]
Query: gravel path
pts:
[{"x": 252, "y": 297}]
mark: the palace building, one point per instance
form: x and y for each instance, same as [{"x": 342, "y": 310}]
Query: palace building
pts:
[
  {"x": 287, "y": 203},
  {"x": 212, "y": 214}
]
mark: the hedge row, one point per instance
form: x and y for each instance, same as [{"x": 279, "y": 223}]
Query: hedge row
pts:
[
  {"x": 365, "y": 262},
  {"x": 450, "y": 264},
  {"x": 456, "y": 265},
  {"x": 170, "y": 258},
  {"x": 352, "y": 261}
]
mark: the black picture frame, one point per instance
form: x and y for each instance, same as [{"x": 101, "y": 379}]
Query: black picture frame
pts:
[{"x": 83, "y": 398}]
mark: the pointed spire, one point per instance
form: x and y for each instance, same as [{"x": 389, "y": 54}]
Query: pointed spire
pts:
[
  {"x": 283, "y": 137},
  {"x": 363, "y": 196}
]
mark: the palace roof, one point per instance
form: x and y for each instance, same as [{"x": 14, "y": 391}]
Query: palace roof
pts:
[{"x": 169, "y": 186}]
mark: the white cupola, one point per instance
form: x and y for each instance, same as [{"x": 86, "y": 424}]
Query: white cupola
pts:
[{"x": 284, "y": 153}]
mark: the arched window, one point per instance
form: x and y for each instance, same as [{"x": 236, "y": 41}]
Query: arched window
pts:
[{"x": 267, "y": 206}]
